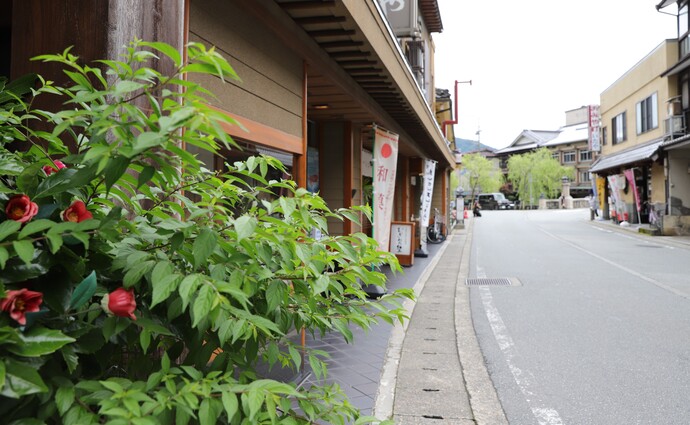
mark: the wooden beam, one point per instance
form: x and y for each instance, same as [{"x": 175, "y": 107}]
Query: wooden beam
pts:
[
  {"x": 315, "y": 20},
  {"x": 341, "y": 43},
  {"x": 331, "y": 33},
  {"x": 262, "y": 134},
  {"x": 296, "y": 5}
]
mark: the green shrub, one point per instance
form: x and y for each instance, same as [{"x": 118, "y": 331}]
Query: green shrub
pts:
[{"x": 138, "y": 287}]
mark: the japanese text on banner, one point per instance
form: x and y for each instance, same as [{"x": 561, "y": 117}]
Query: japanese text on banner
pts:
[{"x": 385, "y": 163}]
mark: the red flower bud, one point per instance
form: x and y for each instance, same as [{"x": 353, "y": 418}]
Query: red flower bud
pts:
[
  {"x": 49, "y": 169},
  {"x": 20, "y": 302},
  {"x": 76, "y": 212},
  {"x": 20, "y": 208},
  {"x": 120, "y": 303}
]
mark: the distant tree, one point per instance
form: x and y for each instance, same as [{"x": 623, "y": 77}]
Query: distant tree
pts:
[
  {"x": 535, "y": 173},
  {"x": 481, "y": 174}
]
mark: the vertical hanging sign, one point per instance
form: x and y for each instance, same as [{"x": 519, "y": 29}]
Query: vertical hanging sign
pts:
[
  {"x": 385, "y": 163},
  {"x": 594, "y": 127},
  {"x": 427, "y": 192}
]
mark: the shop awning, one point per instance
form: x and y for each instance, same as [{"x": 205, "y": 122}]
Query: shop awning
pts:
[
  {"x": 675, "y": 69},
  {"x": 665, "y": 3},
  {"x": 628, "y": 156}
]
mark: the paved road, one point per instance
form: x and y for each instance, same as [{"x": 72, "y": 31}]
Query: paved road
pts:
[{"x": 598, "y": 332}]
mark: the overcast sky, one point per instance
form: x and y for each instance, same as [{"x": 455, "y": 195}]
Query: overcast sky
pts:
[{"x": 532, "y": 60}]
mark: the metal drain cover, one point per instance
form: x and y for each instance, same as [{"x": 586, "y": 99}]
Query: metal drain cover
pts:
[{"x": 496, "y": 281}]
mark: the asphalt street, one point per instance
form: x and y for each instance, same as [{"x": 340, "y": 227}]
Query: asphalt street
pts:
[{"x": 596, "y": 329}]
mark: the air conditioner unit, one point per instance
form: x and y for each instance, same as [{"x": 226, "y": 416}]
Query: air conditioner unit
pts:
[{"x": 675, "y": 125}]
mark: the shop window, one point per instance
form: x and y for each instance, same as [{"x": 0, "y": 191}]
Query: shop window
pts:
[
  {"x": 647, "y": 117},
  {"x": 618, "y": 129}
]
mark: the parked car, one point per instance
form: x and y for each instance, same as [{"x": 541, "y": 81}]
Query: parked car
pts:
[{"x": 495, "y": 201}]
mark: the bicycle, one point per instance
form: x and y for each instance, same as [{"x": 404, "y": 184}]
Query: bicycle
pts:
[{"x": 436, "y": 233}]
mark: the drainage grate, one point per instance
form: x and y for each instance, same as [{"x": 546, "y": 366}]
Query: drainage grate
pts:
[{"x": 499, "y": 281}]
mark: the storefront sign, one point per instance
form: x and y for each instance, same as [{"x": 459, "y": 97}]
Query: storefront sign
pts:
[
  {"x": 385, "y": 163},
  {"x": 427, "y": 192},
  {"x": 594, "y": 121}
]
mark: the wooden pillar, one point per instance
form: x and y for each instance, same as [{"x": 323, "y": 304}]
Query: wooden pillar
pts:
[
  {"x": 299, "y": 167},
  {"x": 348, "y": 160}
]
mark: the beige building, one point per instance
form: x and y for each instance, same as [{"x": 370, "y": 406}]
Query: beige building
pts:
[{"x": 634, "y": 110}]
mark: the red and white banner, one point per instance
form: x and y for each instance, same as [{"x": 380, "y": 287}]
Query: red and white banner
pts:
[
  {"x": 385, "y": 164},
  {"x": 630, "y": 175}
]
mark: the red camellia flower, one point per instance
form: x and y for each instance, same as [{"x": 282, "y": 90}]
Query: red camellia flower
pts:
[
  {"x": 120, "y": 303},
  {"x": 76, "y": 212},
  {"x": 49, "y": 169},
  {"x": 20, "y": 208},
  {"x": 20, "y": 302}
]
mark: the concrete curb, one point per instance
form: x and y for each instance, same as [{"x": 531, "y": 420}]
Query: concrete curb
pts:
[
  {"x": 385, "y": 395},
  {"x": 486, "y": 408}
]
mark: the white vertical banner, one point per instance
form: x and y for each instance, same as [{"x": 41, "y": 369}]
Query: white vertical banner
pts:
[
  {"x": 427, "y": 192},
  {"x": 385, "y": 164}
]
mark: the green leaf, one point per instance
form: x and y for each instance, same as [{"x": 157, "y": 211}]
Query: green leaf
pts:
[
  {"x": 84, "y": 291},
  {"x": 27, "y": 181},
  {"x": 321, "y": 284},
  {"x": 164, "y": 287},
  {"x": 25, "y": 250},
  {"x": 39, "y": 341},
  {"x": 230, "y": 403},
  {"x": 176, "y": 241},
  {"x": 66, "y": 179},
  {"x": 35, "y": 226},
  {"x": 8, "y": 227},
  {"x": 117, "y": 166},
  {"x": 55, "y": 241},
  {"x": 134, "y": 274},
  {"x": 274, "y": 294},
  {"x": 153, "y": 327},
  {"x": 70, "y": 356},
  {"x": 145, "y": 340},
  {"x": 206, "y": 413},
  {"x": 203, "y": 303},
  {"x": 245, "y": 226},
  {"x": 187, "y": 287},
  {"x": 204, "y": 245},
  {"x": 143, "y": 142},
  {"x": 145, "y": 175},
  {"x": 21, "y": 379},
  {"x": 64, "y": 398},
  {"x": 4, "y": 255},
  {"x": 164, "y": 48}
]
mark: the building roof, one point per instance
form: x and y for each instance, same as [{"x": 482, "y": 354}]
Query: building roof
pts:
[
  {"x": 628, "y": 156},
  {"x": 529, "y": 139},
  {"x": 570, "y": 134},
  {"x": 431, "y": 14},
  {"x": 356, "y": 66}
]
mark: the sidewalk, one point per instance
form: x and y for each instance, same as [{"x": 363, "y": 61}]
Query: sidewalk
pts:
[
  {"x": 429, "y": 370},
  {"x": 644, "y": 229}
]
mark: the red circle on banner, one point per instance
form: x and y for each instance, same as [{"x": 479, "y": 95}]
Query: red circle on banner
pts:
[{"x": 386, "y": 150}]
